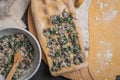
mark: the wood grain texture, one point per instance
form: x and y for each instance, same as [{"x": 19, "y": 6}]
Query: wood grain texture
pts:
[
  {"x": 104, "y": 25},
  {"x": 76, "y": 75}
]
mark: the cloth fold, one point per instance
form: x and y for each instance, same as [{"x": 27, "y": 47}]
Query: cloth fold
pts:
[
  {"x": 11, "y": 12},
  {"x": 4, "y": 6}
]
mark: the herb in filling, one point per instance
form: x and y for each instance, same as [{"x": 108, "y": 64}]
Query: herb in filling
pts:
[
  {"x": 66, "y": 38},
  {"x": 8, "y": 46}
]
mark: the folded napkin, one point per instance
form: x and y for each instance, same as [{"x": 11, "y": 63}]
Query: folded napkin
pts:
[
  {"x": 11, "y": 12},
  {"x": 4, "y": 5}
]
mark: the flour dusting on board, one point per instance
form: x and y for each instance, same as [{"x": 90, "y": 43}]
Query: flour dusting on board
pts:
[
  {"x": 101, "y": 5},
  {"x": 108, "y": 16},
  {"x": 99, "y": 54},
  {"x": 104, "y": 57},
  {"x": 108, "y": 55},
  {"x": 101, "y": 42},
  {"x": 97, "y": 18}
]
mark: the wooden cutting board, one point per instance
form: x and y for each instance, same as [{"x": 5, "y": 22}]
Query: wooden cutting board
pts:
[
  {"x": 104, "y": 26},
  {"x": 82, "y": 74}
]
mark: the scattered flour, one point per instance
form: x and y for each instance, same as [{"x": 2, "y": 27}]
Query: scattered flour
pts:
[
  {"x": 106, "y": 4},
  {"x": 108, "y": 55},
  {"x": 99, "y": 54},
  {"x": 97, "y": 18},
  {"x": 82, "y": 13},
  {"x": 104, "y": 57},
  {"x": 101, "y": 5},
  {"x": 101, "y": 42},
  {"x": 108, "y": 16},
  {"x": 97, "y": 71}
]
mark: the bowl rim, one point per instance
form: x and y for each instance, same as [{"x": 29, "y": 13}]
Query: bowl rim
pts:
[{"x": 38, "y": 45}]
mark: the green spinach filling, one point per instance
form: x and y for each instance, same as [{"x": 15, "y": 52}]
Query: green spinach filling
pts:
[
  {"x": 62, "y": 41},
  {"x": 8, "y": 46}
]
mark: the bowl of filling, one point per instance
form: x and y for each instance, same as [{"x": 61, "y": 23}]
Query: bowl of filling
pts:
[{"x": 20, "y": 54}]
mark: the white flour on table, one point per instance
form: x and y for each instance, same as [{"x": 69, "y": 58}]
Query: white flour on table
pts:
[{"x": 82, "y": 14}]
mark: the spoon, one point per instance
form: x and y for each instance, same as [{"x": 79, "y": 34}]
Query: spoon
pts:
[{"x": 17, "y": 60}]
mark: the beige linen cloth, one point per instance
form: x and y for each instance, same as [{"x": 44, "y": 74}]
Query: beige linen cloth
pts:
[{"x": 11, "y": 12}]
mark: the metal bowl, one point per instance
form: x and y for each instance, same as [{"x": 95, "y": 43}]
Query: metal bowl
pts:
[{"x": 37, "y": 49}]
